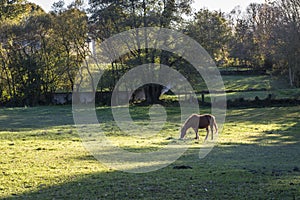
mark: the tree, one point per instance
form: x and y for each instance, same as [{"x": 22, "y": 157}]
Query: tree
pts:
[
  {"x": 109, "y": 17},
  {"x": 268, "y": 36},
  {"x": 277, "y": 32},
  {"x": 18, "y": 51},
  {"x": 41, "y": 53},
  {"x": 288, "y": 33},
  {"x": 71, "y": 33},
  {"x": 211, "y": 30},
  {"x": 245, "y": 44}
]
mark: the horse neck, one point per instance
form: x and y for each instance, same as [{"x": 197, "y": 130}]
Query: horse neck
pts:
[
  {"x": 184, "y": 129},
  {"x": 187, "y": 125}
]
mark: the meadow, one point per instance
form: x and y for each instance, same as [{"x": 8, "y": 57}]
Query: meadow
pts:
[
  {"x": 257, "y": 157},
  {"x": 247, "y": 88}
]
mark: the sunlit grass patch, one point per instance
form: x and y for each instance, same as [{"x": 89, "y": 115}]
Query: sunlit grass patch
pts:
[
  {"x": 256, "y": 156},
  {"x": 246, "y": 82}
]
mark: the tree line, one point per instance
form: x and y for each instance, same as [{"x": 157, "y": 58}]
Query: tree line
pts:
[{"x": 41, "y": 53}]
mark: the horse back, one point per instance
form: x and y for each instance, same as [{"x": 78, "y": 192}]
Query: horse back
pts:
[{"x": 205, "y": 121}]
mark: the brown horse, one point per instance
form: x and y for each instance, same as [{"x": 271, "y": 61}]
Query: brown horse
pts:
[{"x": 196, "y": 121}]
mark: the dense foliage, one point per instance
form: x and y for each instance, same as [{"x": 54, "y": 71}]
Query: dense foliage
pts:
[{"x": 40, "y": 53}]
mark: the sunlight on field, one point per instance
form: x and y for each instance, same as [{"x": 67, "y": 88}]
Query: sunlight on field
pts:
[
  {"x": 49, "y": 159},
  {"x": 246, "y": 82}
]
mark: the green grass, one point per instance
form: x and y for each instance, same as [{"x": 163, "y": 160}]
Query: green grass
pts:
[
  {"x": 249, "y": 82},
  {"x": 241, "y": 82},
  {"x": 267, "y": 82},
  {"x": 260, "y": 86},
  {"x": 257, "y": 157},
  {"x": 246, "y": 82},
  {"x": 251, "y": 95},
  {"x": 276, "y": 94}
]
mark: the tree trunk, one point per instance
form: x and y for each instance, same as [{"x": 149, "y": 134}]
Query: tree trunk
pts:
[
  {"x": 152, "y": 93},
  {"x": 291, "y": 76}
]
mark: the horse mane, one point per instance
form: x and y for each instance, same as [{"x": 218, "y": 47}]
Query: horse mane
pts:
[
  {"x": 192, "y": 121},
  {"x": 186, "y": 123}
]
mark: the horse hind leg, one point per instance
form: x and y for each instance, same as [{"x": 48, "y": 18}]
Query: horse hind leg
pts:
[{"x": 207, "y": 132}]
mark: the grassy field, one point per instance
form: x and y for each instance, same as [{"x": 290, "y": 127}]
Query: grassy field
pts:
[
  {"x": 250, "y": 82},
  {"x": 248, "y": 87},
  {"x": 247, "y": 82},
  {"x": 257, "y": 157}
]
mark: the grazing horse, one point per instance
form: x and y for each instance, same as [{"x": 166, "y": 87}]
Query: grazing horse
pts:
[{"x": 196, "y": 121}]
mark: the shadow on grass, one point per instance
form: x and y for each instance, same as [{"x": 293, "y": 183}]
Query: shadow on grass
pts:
[
  {"x": 35, "y": 118},
  {"x": 48, "y": 116},
  {"x": 268, "y": 168},
  {"x": 224, "y": 174},
  {"x": 238, "y": 171}
]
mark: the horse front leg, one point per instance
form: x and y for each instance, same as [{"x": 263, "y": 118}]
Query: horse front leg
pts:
[
  {"x": 197, "y": 134},
  {"x": 212, "y": 132}
]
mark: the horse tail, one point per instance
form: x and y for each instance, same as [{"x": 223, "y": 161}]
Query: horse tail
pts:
[{"x": 215, "y": 124}]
